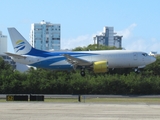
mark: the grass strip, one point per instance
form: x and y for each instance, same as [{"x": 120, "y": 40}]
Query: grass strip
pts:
[{"x": 100, "y": 100}]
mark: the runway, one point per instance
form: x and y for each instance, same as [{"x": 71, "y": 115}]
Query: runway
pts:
[{"x": 78, "y": 111}]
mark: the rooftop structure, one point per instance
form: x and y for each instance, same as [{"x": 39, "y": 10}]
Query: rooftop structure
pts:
[{"x": 108, "y": 38}]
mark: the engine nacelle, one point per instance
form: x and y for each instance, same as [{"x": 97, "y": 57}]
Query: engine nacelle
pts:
[{"x": 100, "y": 66}]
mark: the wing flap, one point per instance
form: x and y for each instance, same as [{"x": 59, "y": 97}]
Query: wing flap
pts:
[{"x": 77, "y": 61}]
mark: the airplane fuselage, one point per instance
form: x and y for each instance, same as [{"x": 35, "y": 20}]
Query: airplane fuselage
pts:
[
  {"x": 115, "y": 59},
  {"x": 97, "y": 61}
]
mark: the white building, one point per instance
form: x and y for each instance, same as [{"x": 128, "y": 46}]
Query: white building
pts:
[
  {"x": 3, "y": 43},
  {"x": 45, "y": 36},
  {"x": 107, "y": 38},
  {"x": 3, "y": 49}
]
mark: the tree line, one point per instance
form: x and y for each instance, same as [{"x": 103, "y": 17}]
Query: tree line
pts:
[{"x": 117, "y": 82}]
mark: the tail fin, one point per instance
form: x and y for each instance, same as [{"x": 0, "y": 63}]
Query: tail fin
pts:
[{"x": 20, "y": 44}]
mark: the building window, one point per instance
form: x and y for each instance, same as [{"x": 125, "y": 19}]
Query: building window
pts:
[{"x": 4, "y": 57}]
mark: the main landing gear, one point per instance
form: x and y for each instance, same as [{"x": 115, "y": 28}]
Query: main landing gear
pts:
[
  {"x": 137, "y": 70},
  {"x": 83, "y": 72}
]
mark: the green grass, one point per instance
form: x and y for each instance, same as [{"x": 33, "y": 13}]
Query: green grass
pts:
[
  {"x": 63, "y": 100},
  {"x": 101, "y": 100},
  {"x": 124, "y": 100},
  {"x": 108, "y": 100}
]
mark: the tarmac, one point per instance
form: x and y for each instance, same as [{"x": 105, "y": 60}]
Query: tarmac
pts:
[{"x": 78, "y": 111}]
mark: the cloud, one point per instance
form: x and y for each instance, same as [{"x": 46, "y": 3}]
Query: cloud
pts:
[
  {"x": 126, "y": 33},
  {"x": 146, "y": 45},
  {"x": 85, "y": 40},
  {"x": 138, "y": 44},
  {"x": 129, "y": 41},
  {"x": 80, "y": 41},
  {"x": 153, "y": 45},
  {"x": 133, "y": 42}
]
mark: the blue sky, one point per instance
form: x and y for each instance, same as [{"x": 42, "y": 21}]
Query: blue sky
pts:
[{"x": 137, "y": 20}]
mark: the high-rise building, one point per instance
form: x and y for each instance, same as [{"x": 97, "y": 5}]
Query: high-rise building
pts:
[
  {"x": 118, "y": 41},
  {"x": 3, "y": 43},
  {"x": 45, "y": 36},
  {"x": 107, "y": 38}
]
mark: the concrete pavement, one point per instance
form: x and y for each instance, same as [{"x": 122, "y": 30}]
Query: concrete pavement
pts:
[{"x": 78, "y": 111}]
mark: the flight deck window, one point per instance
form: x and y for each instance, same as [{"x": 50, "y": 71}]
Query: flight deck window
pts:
[{"x": 144, "y": 54}]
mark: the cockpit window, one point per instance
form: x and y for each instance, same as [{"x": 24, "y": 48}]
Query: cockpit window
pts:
[{"x": 144, "y": 54}]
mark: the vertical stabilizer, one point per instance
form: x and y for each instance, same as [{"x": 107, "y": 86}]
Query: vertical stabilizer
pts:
[{"x": 20, "y": 44}]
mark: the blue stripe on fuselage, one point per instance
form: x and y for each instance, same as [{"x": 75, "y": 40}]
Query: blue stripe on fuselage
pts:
[
  {"x": 40, "y": 53},
  {"x": 55, "y": 57},
  {"x": 47, "y": 64}
]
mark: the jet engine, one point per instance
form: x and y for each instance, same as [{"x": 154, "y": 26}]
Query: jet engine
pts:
[{"x": 100, "y": 66}]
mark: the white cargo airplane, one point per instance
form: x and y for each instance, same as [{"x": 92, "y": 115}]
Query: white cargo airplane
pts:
[{"x": 97, "y": 61}]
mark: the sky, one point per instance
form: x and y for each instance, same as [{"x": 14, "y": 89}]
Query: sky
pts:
[{"x": 137, "y": 20}]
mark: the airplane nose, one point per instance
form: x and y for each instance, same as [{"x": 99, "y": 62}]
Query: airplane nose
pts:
[{"x": 153, "y": 59}]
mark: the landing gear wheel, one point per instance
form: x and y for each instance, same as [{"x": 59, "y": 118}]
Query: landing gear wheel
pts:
[
  {"x": 83, "y": 73},
  {"x": 137, "y": 70}
]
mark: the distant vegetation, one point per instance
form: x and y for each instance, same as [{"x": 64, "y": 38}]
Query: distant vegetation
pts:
[
  {"x": 118, "y": 81},
  {"x": 95, "y": 47}
]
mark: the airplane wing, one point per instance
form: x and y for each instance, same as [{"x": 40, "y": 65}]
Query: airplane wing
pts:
[
  {"x": 15, "y": 55},
  {"x": 77, "y": 61}
]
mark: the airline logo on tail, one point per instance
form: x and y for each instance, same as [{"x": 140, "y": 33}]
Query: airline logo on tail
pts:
[{"x": 20, "y": 45}]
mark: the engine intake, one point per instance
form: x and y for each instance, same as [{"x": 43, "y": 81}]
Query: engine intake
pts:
[{"x": 100, "y": 66}]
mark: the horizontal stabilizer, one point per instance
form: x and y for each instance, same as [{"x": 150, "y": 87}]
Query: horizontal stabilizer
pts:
[{"x": 15, "y": 55}]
